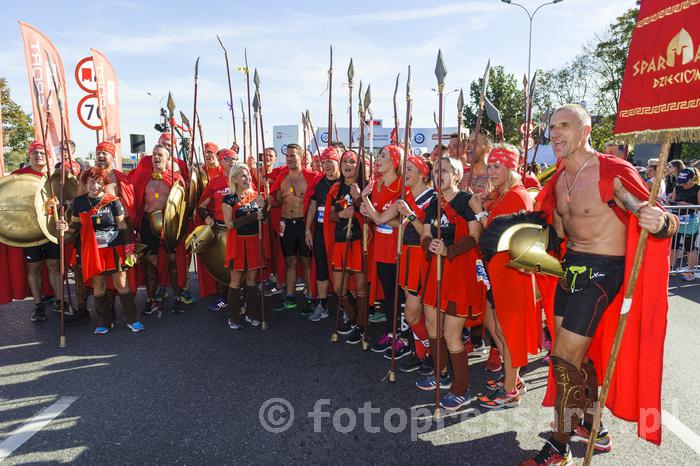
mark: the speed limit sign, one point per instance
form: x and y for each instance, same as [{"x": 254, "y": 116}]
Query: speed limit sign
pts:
[{"x": 89, "y": 113}]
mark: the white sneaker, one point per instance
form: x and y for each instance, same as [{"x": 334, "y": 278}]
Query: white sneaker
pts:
[
  {"x": 319, "y": 313},
  {"x": 253, "y": 322},
  {"x": 234, "y": 326}
]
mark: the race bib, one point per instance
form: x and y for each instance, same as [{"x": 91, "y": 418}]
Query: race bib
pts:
[
  {"x": 385, "y": 229},
  {"x": 320, "y": 214}
]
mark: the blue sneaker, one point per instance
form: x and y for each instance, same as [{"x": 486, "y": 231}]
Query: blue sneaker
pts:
[
  {"x": 136, "y": 327},
  {"x": 428, "y": 383},
  {"x": 187, "y": 297},
  {"x": 219, "y": 305},
  {"x": 452, "y": 402},
  {"x": 101, "y": 330}
]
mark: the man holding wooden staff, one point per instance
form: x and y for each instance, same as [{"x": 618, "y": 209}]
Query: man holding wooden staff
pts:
[{"x": 598, "y": 203}]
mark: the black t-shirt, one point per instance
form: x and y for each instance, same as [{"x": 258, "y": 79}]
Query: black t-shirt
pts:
[
  {"x": 411, "y": 237},
  {"x": 687, "y": 195},
  {"x": 241, "y": 211},
  {"x": 460, "y": 203},
  {"x": 104, "y": 221},
  {"x": 339, "y": 203},
  {"x": 320, "y": 194}
]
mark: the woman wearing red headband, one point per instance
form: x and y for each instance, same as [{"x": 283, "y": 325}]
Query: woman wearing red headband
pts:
[
  {"x": 385, "y": 191},
  {"x": 462, "y": 296},
  {"x": 107, "y": 247},
  {"x": 242, "y": 209},
  {"x": 511, "y": 316},
  {"x": 413, "y": 267}
]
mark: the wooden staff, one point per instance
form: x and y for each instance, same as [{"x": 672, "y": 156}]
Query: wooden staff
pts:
[
  {"x": 245, "y": 146},
  {"x": 330, "y": 99},
  {"x": 624, "y": 312},
  {"x": 230, "y": 91},
  {"x": 399, "y": 240},
  {"x": 351, "y": 75},
  {"x": 250, "y": 119},
  {"x": 460, "y": 109},
  {"x": 256, "y": 107},
  {"x": 440, "y": 73},
  {"x": 528, "y": 121},
  {"x": 396, "y": 114}
]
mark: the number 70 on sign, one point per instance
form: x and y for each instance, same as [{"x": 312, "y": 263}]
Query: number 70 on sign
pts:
[{"x": 89, "y": 112}]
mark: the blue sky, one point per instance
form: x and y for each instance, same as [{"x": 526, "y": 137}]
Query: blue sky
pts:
[{"x": 153, "y": 46}]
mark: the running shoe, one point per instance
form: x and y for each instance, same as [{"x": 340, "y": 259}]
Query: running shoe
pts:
[
  {"x": 494, "y": 363},
  {"x": 234, "y": 326},
  {"x": 501, "y": 399},
  {"x": 688, "y": 277},
  {"x": 136, "y": 327},
  {"x": 38, "y": 314},
  {"x": 177, "y": 306},
  {"x": 428, "y": 383},
  {"x": 253, "y": 322},
  {"x": 187, "y": 297},
  {"x": 550, "y": 456},
  {"x": 377, "y": 317},
  {"x": 319, "y": 313},
  {"x": 410, "y": 364},
  {"x": 272, "y": 290},
  {"x": 150, "y": 307},
  {"x": 218, "y": 305},
  {"x": 603, "y": 442},
  {"x": 101, "y": 330},
  {"x": 309, "y": 308},
  {"x": 452, "y": 402},
  {"x": 161, "y": 293},
  {"x": 355, "y": 336},
  {"x": 288, "y": 304},
  {"x": 382, "y": 344},
  {"x": 495, "y": 384},
  {"x": 344, "y": 328},
  {"x": 401, "y": 350}
]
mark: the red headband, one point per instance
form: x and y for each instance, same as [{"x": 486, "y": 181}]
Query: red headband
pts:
[
  {"x": 106, "y": 146},
  {"x": 211, "y": 147},
  {"x": 164, "y": 140},
  {"x": 226, "y": 153},
  {"x": 420, "y": 164},
  {"x": 36, "y": 145},
  {"x": 395, "y": 153},
  {"x": 504, "y": 157},
  {"x": 330, "y": 153},
  {"x": 351, "y": 154}
]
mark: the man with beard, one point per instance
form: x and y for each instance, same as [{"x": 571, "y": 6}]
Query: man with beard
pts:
[
  {"x": 291, "y": 191},
  {"x": 151, "y": 190},
  {"x": 47, "y": 253},
  {"x": 315, "y": 224}
]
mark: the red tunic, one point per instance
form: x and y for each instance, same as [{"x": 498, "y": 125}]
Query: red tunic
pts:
[
  {"x": 514, "y": 291},
  {"x": 635, "y": 391}
]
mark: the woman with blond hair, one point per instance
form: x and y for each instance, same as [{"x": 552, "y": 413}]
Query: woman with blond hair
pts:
[{"x": 243, "y": 209}]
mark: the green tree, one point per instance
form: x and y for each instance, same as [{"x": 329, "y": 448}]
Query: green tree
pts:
[
  {"x": 17, "y": 129},
  {"x": 505, "y": 95}
]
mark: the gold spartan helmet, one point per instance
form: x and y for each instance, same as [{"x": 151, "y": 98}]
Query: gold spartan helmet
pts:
[
  {"x": 526, "y": 244},
  {"x": 681, "y": 44}
]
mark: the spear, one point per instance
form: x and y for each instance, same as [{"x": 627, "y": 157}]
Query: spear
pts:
[
  {"x": 313, "y": 131},
  {"x": 395, "y": 133},
  {"x": 257, "y": 109},
  {"x": 250, "y": 122},
  {"x": 368, "y": 101},
  {"x": 245, "y": 147},
  {"x": 305, "y": 130},
  {"x": 194, "y": 111},
  {"x": 201, "y": 135},
  {"x": 256, "y": 80},
  {"x": 330, "y": 100},
  {"x": 230, "y": 91},
  {"x": 531, "y": 95},
  {"x": 460, "y": 108},
  {"x": 526, "y": 129},
  {"x": 171, "y": 119},
  {"x": 351, "y": 75},
  {"x": 479, "y": 116},
  {"x": 399, "y": 240},
  {"x": 440, "y": 73}
]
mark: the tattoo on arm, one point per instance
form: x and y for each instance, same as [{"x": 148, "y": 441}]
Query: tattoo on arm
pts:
[{"x": 628, "y": 200}]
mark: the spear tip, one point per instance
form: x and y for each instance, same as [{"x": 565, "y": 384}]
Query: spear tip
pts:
[
  {"x": 368, "y": 96},
  {"x": 408, "y": 82},
  {"x": 171, "y": 103},
  {"x": 396, "y": 87},
  {"x": 351, "y": 72},
  {"x": 256, "y": 78},
  {"x": 440, "y": 70},
  {"x": 460, "y": 101}
]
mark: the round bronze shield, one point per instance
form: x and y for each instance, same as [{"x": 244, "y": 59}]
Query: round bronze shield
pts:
[
  {"x": 199, "y": 239},
  {"x": 19, "y": 226},
  {"x": 194, "y": 193},
  {"x": 174, "y": 215},
  {"x": 214, "y": 254},
  {"x": 47, "y": 223}
]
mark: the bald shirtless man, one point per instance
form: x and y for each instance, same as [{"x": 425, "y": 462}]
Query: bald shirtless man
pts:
[
  {"x": 291, "y": 198},
  {"x": 596, "y": 229}
]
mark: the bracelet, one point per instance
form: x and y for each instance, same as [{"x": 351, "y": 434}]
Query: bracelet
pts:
[{"x": 482, "y": 214}]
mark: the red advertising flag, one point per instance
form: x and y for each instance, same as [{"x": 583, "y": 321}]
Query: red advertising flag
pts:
[
  {"x": 108, "y": 97},
  {"x": 661, "y": 86},
  {"x": 43, "y": 61}
]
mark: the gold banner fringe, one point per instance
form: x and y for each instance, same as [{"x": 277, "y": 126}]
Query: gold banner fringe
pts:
[{"x": 658, "y": 137}]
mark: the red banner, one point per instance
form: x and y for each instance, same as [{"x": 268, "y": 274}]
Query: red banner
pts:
[
  {"x": 108, "y": 97},
  {"x": 43, "y": 62},
  {"x": 661, "y": 86}
]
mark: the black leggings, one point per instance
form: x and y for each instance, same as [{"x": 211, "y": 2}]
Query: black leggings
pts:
[{"x": 387, "y": 278}]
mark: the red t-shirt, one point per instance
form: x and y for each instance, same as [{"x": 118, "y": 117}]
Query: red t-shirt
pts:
[
  {"x": 216, "y": 189},
  {"x": 385, "y": 237}
]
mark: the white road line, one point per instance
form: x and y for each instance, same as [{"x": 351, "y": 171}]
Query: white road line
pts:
[
  {"x": 688, "y": 437},
  {"x": 33, "y": 425}
]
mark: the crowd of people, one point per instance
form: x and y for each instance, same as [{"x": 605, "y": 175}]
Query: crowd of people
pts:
[{"x": 342, "y": 223}]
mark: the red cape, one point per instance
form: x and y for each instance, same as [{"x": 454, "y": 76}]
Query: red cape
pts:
[
  {"x": 635, "y": 392},
  {"x": 329, "y": 232}
]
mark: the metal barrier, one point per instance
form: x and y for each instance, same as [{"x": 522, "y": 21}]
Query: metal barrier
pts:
[{"x": 686, "y": 243}]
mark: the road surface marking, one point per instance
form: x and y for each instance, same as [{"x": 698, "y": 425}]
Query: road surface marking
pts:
[
  {"x": 33, "y": 425},
  {"x": 688, "y": 437}
]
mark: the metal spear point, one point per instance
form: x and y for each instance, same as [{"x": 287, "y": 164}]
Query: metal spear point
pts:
[
  {"x": 185, "y": 120},
  {"x": 460, "y": 102},
  {"x": 256, "y": 103},
  {"x": 440, "y": 71},
  {"x": 368, "y": 97},
  {"x": 360, "y": 105},
  {"x": 532, "y": 85},
  {"x": 351, "y": 73},
  {"x": 171, "y": 103},
  {"x": 256, "y": 79},
  {"x": 196, "y": 69}
]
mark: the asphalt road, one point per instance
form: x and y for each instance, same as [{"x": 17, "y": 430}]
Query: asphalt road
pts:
[{"x": 189, "y": 390}]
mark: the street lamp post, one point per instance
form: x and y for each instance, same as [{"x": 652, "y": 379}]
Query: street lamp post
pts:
[{"x": 529, "y": 50}]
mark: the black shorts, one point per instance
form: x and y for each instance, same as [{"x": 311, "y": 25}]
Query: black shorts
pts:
[
  {"x": 46, "y": 251},
  {"x": 320, "y": 254},
  {"x": 592, "y": 282},
  {"x": 293, "y": 239},
  {"x": 150, "y": 239}
]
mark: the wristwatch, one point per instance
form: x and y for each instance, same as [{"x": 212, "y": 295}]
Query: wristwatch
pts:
[{"x": 412, "y": 218}]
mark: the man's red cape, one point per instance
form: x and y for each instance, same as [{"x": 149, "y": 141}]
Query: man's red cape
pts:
[{"x": 635, "y": 392}]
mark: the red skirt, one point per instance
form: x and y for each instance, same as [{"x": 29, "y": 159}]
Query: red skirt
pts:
[
  {"x": 460, "y": 288},
  {"x": 413, "y": 268},
  {"x": 247, "y": 255},
  {"x": 354, "y": 261},
  {"x": 112, "y": 258}
]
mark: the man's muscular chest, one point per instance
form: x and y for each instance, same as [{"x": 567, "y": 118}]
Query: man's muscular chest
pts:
[
  {"x": 293, "y": 187},
  {"x": 156, "y": 193},
  {"x": 579, "y": 197}
]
